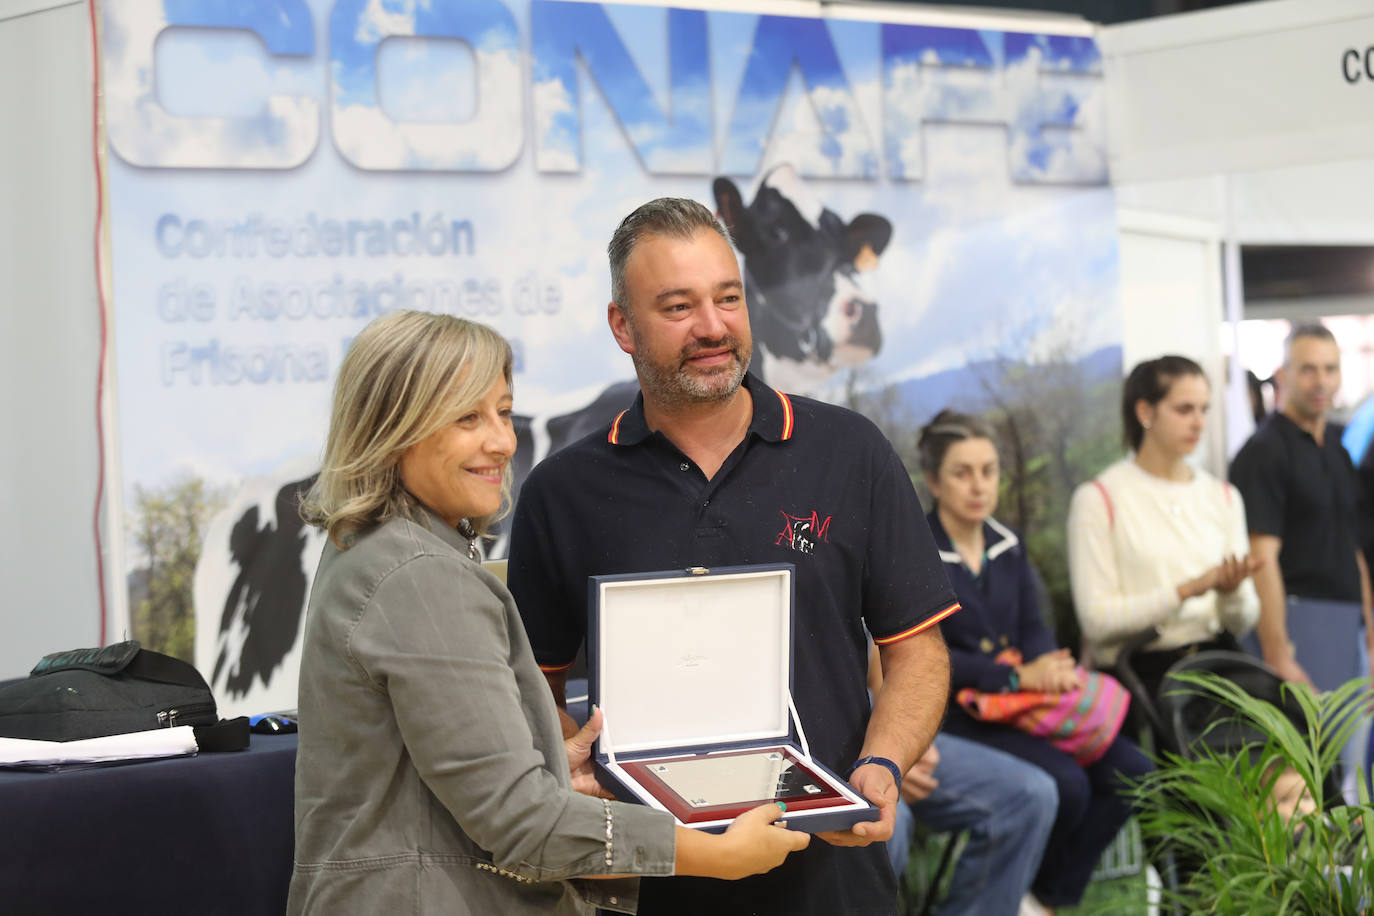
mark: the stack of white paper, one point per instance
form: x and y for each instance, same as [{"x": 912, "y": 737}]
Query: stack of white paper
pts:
[{"x": 158, "y": 742}]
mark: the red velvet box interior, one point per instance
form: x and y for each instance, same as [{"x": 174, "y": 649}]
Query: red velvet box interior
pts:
[{"x": 708, "y": 787}]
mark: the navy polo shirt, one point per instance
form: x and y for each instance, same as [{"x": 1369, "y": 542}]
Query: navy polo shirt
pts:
[
  {"x": 1000, "y": 609},
  {"x": 811, "y": 484},
  {"x": 1305, "y": 494}
]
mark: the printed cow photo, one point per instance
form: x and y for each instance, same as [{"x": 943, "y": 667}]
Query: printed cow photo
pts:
[{"x": 801, "y": 265}]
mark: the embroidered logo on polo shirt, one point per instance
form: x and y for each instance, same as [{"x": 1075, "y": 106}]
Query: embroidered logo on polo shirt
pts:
[{"x": 803, "y": 533}]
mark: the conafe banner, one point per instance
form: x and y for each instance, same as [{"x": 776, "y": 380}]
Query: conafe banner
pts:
[{"x": 923, "y": 219}]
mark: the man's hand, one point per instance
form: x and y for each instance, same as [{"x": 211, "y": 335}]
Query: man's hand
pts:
[
  {"x": 1289, "y": 669},
  {"x": 920, "y": 780},
  {"x": 874, "y": 782},
  {"x": 579, "y": 750}
]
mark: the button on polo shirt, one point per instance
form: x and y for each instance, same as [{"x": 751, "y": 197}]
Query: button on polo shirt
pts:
[{"x": 1305, "y": 494}]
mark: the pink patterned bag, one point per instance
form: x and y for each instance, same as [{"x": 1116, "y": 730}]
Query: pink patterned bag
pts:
[{"x": 1082, "y": 722}]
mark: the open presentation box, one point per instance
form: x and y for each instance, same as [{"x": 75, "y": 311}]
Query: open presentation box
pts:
[{"x": 692, "y": 670}]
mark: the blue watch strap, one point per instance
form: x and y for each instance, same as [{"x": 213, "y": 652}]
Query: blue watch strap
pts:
[{"x": 892, "y": 768}]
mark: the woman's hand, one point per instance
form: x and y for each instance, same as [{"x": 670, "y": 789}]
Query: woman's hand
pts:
[
  {"x": 1233, "y": 570},
  {"x": 1053, "y": 672},
  {"x": 579, "y": 750},
  {"x": 1225, "y": 577},
  {"x": 751, "y": 845},
  {"x": 760, "y": 845}
]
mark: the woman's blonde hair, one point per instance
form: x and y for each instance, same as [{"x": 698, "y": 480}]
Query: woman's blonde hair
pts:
[{"x": 405, "y": 376}]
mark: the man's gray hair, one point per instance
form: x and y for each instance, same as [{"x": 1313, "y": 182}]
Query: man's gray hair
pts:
[
  {"x": 676, "y": 217},
  {"x": 1314, "y": 330}
]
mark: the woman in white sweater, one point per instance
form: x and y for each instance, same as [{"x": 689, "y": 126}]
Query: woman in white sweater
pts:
[{"x": 1155, "y": 542}]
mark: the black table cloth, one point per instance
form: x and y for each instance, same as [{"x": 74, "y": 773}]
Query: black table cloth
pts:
[{"x": 210, "y": 835}]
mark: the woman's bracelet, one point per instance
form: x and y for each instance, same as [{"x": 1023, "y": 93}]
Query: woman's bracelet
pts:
[{"x": 606, "y": 806}]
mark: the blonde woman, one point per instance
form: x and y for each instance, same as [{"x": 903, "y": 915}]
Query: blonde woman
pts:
[{"x": 432, "y": 775}]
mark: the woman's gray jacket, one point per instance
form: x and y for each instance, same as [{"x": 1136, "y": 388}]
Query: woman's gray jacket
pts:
[{"x": 432, "y": 776}]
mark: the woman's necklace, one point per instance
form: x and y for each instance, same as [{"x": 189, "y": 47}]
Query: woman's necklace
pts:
[{"x": 466, "y": 530}]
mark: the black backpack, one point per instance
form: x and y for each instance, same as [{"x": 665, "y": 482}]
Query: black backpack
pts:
[{"x": 120, "y": 688}]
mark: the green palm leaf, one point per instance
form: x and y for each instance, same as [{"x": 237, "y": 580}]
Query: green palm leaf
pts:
[{"x": 1218, "y": 810}]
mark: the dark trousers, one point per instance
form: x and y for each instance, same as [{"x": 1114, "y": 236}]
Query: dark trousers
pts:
[
  {"x": 1092, "y": 804},
  {"x": 1151, "y": 667}
]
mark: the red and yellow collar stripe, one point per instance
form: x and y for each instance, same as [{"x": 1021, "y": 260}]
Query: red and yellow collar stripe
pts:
[
  {"x": 555, "y": 669},
  {"x": 787, "y": 416},
  {"x": 788, "y": 420},
  {"x": 614, "y": 437},
  {"x": 923, "y": 625}
]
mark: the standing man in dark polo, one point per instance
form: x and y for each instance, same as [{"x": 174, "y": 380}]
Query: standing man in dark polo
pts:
[
  {"x": 711, "y": 467},
  {"x": 1300, "y": 495}
]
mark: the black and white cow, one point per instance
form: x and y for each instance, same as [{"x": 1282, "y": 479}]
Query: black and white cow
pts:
[
  {"x": 801, "y": 263},
  {"x": 809, "y": 318}
]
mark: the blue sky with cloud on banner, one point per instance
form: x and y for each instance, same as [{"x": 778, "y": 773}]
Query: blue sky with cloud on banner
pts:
[{"x": 972, "y": 243}]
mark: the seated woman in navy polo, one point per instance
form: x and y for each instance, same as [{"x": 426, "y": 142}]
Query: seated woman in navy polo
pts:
[{"x": 987, "y": 565}]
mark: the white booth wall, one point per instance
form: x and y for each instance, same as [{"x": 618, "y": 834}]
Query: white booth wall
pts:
[
  {"x": 1242, "y": 126},
  {"x": 1171, "y": 301},
  {"x": 1327, "y": 203},
  {"x": 49, "y": 335}
]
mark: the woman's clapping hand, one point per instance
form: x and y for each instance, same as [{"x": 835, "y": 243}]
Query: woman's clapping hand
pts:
[
  {"x": 1225, "y": 577},
  {"x": 1234, "y": 570}
]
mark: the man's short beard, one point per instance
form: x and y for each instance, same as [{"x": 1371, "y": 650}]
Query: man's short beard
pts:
[
  {"x": 1304, "y": 410},
  {"x": 679, "y": 388}
]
